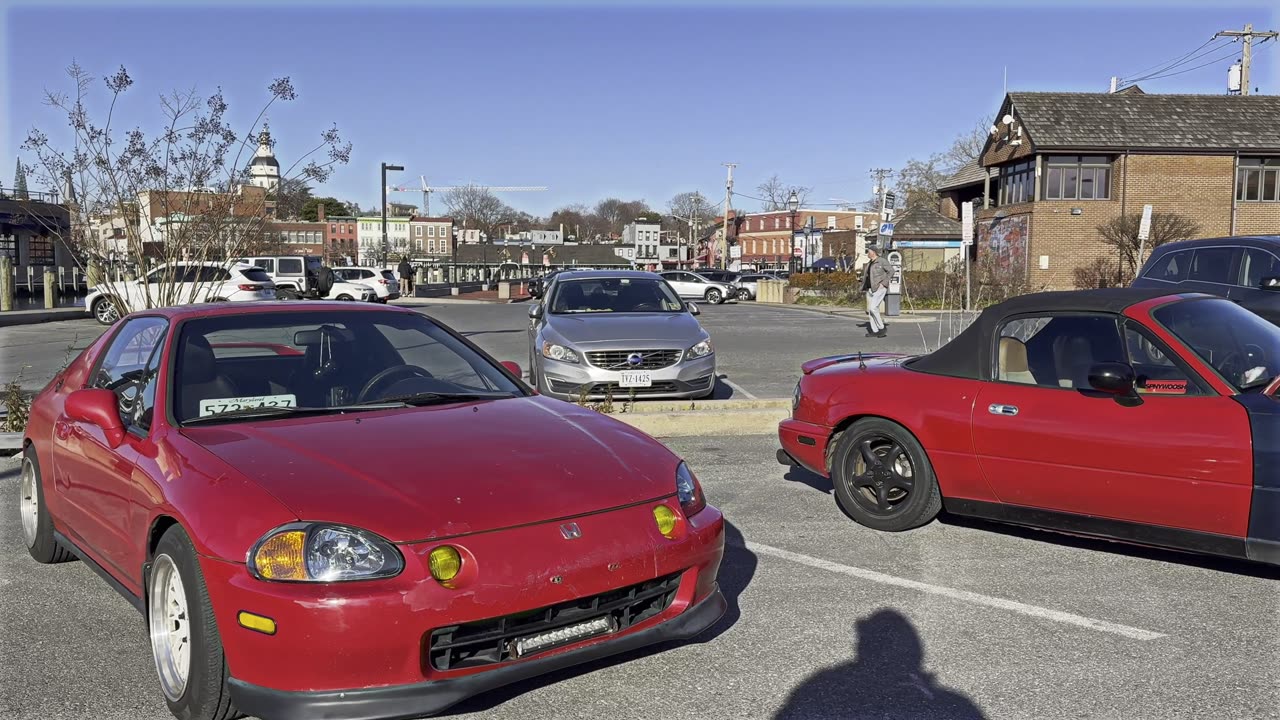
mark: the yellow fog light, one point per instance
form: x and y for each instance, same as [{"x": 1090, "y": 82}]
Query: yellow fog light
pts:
[
  {"x": 257, "y": 622},
  {"x": 281, "y": 557},
  {"x": 666, "y": 520},
  {"x": 445, "y": 563}
]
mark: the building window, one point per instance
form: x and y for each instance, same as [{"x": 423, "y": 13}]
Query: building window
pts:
[
  {"x": 9, "y": 247},
  {"x": 1258, "y": 180},
  {"x": 333, "y": 228},
  {"x": 1017, "y": 183},
  {"x": 40, "y": 251},
  {"x": 857, "y": 222},
  {"x": 1077, "y": 177}
]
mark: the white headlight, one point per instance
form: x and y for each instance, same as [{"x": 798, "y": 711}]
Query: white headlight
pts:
[
  {"x": 558, "y": 352},
  {"x": 302, "y": 552},
  {"x": 700, "y": 350}
]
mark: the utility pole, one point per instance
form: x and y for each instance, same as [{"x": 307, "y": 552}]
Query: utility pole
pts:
[
  {"x": 1246, "y": 58},
  {"x": 385, "y": 245},
  {"x": 879, "y": 174},
  {"x": 728, "y": 203}
]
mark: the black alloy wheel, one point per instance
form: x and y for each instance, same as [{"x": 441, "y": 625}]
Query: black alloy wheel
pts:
[{"x": 883, "y": 478}]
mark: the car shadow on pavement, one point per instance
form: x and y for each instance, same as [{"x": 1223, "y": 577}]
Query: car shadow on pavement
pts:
[
  {"x": 797, "y": 474},
  {"x": 736, "y": 572},
  {"x": 886, "y": 679},
  {"x": 1143, "y": 552}
]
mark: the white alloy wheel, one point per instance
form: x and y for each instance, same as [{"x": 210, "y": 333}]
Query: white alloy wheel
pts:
[
  {"x": 170, "y": 624},
  {"x": 29, "y": 503}
]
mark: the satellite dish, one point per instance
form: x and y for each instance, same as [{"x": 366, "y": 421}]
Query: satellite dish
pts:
[
  {"x": 1008, "y": 119},
  {"x": 995, "y": 129}
]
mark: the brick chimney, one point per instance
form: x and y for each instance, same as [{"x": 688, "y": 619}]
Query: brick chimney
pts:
[{"x": 320, "y": 212}]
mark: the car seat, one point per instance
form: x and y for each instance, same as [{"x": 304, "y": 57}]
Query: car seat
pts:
[
  {"x": 570, "y": 297},
  {"x": 199, "y": 376},
  {"x": 1013, "y": 362},
  {"x": 1073, "y": 356}
]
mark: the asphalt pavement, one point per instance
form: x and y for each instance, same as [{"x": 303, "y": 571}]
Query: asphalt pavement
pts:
[
  {"x": 759, "y": 347},
  {"x": 826, "y": 620}
]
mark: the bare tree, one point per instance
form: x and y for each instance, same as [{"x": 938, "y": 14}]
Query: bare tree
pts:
[
  {"x": 917, "y": 182},
  {"x": 1121, "y": 233},
  {"x": 180, "y": 194},
  {"x": 774, "y": 195},
  {"x": 967, "y": 146},
  {"x": 477, "y": 207}
]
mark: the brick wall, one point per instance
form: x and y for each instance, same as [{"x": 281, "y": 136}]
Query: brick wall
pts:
[{"x": 1258, "y": 218}]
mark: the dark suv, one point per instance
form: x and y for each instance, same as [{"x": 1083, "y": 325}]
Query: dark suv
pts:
[{"x": 1243, "y": 269}]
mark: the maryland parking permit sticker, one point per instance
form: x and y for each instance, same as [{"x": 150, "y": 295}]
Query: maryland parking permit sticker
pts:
[{"x": 217, "y": 406}]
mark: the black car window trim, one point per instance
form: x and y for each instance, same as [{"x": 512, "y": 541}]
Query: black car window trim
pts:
[
  {"x": 1203, "y": 388},
  {"x": 993, "y": 372},
  {"x": 151, "y": 377}
]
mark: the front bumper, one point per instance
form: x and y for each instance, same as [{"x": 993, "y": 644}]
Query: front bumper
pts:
[
  {"x": 428, "y": 698},
  {"x": 806, "y": 444},
  {"x": 685, "y": 379},
  {"x": 365, "y": 649}
]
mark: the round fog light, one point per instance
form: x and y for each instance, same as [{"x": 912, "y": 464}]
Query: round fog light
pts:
[
  {"x": 666, "y": 519},
  {"x": 445, "y": 562}
]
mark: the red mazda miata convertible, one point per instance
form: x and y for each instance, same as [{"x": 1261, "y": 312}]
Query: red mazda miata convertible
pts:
[
  {"x": 1127, "y": 414},
  {"x": 334, "y": 510}
]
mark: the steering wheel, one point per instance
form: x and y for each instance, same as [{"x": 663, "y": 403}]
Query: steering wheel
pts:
[{"x": 395, "y": 371}]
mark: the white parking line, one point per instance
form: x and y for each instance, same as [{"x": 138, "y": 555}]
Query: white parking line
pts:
[
  {"x": 738, "y": 389},
  {"x": 961, "y": 595}
]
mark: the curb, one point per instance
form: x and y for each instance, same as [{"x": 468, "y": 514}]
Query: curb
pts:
[
  {"x": 851, "y": 314},
  {"x": 13, "y": 318},
  {"x": 707, "y": 417}
]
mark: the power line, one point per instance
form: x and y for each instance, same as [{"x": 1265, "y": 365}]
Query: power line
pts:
[
  {"x": 1166, "y": 63},
  {"x": 1228, "y": 56},
  {"x": 1174, "y": 65}
]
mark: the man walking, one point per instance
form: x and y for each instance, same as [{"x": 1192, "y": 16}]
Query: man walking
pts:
[
  {"x": 876, "y": 285},
  {"x": 406, "y": 277}
]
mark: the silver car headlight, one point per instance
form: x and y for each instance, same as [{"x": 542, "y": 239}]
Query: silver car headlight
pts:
[
  {"x": 559, "y": 352},
  {"x": 323, "y": 552},
  {"x": 700, "y": 350}
]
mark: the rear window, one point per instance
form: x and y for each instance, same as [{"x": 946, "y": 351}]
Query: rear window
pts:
[
  {"x": 387, "y": 274},
  {"x": 290, "y": 266},
  {"x": 255, "y": 275},
  {"x": 1212, "y": 265}
]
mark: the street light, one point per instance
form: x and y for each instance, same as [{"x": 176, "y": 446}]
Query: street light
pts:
[
  {"x": 793, "y": 204},
  {"x": 385, "y": 246}
]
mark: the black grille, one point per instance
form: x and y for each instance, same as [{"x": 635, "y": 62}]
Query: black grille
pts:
[
  {"x": 622, "y": 393},
  {"x": 487, "y": 642},
  {"x": 618, "y": 359}
]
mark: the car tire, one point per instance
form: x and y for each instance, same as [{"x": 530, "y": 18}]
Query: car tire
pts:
[
  {"x": 896, "y": 490},
  {"x": 217, "y": 300},
  {"x": 744, "y": 295},
  {"x": 106, "y": 311},
  {"x": 345, "y": 298},
  {"x": 287, "y": 294},
  {"x": 183, "y": 631},
  {"x": 37, "y": 526},
  {"x": 714, "y": 297}
]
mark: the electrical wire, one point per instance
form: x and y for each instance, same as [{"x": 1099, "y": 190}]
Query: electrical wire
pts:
[
  {"x": 1165, "y": 71},
  {"x": 1166, "y": 63},
  {"x": 1228, "y": 56}
]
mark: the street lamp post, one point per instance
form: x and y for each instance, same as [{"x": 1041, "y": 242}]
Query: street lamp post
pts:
[
  {"x": 793, "y": 204},
  {"x": 385, "y": 245}
]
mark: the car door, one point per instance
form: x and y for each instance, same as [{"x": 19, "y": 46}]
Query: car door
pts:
[
  {"x": 96, "y": 481},
  {"x": 1213, "y": 270},
  {"x": 1180, "y": 458},
  {"x": 1257, "y": 265},
  {"x": 688, "y": 285}
]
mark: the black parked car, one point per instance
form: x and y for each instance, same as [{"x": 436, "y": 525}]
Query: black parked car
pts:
[
  {"x": 538, "y": 285},
  {"x": 727, "y": 277},
  {"x": 1243, "y": 269}
]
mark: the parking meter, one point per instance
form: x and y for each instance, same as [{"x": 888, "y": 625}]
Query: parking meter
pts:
[{"x": 893, "y": 299}]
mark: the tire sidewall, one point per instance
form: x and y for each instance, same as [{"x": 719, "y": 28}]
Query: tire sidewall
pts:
[
  {"x": 716, "y": 294},
  {"x": 45, "y": 549},
  {"x": 920, "y": 507},
  {"x": 206, "y": 689}
]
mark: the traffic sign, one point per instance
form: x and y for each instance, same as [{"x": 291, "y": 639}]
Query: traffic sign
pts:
[
  {"x": 966, "y": 221},
  {"x": 886, "y": 229},
  {"x": 1144, "y": 228}
]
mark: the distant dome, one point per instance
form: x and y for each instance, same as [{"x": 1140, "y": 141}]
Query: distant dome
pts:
[{"x": 265, "y": 160}]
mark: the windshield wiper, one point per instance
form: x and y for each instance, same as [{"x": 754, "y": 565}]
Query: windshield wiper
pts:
[
  {"x": 439, "y": 398},
  {"x": 276, "y": 411}
]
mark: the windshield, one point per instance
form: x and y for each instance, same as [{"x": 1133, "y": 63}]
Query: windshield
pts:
[
  {"x": 615, "y": 295},
  {"x": 309, "y": 360},
  {"x": 1242, "y": 347}
]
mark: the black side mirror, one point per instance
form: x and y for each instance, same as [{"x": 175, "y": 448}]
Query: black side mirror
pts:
[
  {"x": 1270, "y": 283},
  {"x": 535, "y": 311},
  {"x": 1113, "y": 378}
]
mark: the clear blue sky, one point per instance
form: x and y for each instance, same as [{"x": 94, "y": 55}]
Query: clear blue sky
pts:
[{"x": 633, "y": 102}]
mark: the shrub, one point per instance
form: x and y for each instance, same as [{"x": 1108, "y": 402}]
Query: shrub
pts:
[
  {"x": 1101, "y": 273},
  {"x": 835, "y": 286},
  {"x": 17, "y": 405}
]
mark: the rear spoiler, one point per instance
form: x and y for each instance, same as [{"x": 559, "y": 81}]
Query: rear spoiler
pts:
[{"x": 815, "y": 365}]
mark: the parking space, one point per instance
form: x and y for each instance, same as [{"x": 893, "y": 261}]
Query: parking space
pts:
[{"x": 826, "y": 620}]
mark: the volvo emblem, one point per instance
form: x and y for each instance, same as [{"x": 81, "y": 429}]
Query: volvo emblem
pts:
[
  {"x": 635, "y": 359},
  {"x": 570, "y": 531}
]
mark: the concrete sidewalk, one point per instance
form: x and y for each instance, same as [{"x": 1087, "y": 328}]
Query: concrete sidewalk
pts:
[{"x": 857, "y": 313}]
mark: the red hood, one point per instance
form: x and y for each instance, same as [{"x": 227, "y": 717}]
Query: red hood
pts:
[
  {"x": 856, "y": 358},
  {"x": 431, "y": 472}
]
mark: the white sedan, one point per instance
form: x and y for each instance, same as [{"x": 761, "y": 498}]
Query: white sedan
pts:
[{"x": 179, "y": 284}]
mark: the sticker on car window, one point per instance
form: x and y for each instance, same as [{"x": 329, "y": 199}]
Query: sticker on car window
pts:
[
  {"x": 1166, "y": 387},
  {"x": 217, "y": 406}
]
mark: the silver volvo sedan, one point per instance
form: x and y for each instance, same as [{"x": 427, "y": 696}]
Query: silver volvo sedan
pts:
[{"x": 599, "y": 333}]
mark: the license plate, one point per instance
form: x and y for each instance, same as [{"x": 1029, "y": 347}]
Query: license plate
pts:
[
  {"x": 217, "y": 406},
  {"x": 636, "y": 379}
]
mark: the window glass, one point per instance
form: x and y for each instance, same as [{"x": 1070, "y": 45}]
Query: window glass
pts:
[
  {"x": 615, "y": 295},
  {"x": 1257, "y": 264},
  {"x": 267, "y": 264},
  {"x": 40, "y": 250},
  {"x": 1242, "y": 347},
  {"x": 1212, "y": 265},
  {"x": 1056, "y": 351},
  {"x": 290, "y": 266},
  {"x": 1158, "y": 372},
  {"x": 1172, "y": 267},
  {"x": 127, "y": 366},
  {"x": 212, "y": 274}
]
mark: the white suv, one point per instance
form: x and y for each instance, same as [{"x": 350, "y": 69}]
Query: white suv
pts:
[
  {"x": 179, "y": 284},
  {"x": 383, "y": 282}
]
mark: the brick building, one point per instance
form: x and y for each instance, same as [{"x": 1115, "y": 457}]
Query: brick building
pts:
[
  {"x": 295, "y": 238},
  {"x": 769, "y": 240},
  {"x": 1059, "y": 165},
  {"x": 341, "y": 237},
  {"x": 431, "y": 237}
]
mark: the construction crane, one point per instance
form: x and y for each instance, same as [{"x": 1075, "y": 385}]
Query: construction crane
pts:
[{"x": 428, "y": 189}]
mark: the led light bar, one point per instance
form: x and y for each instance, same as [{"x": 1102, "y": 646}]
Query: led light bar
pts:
[{"x": 572, "y": 633}]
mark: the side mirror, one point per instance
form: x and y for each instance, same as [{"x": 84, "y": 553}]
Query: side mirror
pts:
[
  {"x": 514, "y": 367},
  {"x": 535, "y": 311},
  {"x": 1270, "y": 283},
  {"x": 1112, "y": 378},
  {"x": 693, "y": 308},
  {"x": 96, "y": 406}
]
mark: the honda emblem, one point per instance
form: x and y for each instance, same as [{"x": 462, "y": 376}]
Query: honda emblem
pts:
[{"x": 570, "y": 531}]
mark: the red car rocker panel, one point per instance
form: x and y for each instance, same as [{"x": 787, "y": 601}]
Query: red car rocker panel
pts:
[
  {"x": 344, "y": 511},
  {"x": 1128, "y": 414}
]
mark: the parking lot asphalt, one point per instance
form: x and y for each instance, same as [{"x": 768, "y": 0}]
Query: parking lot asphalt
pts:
[
  {"x": 759, "y": 347},
  {"x": 827, "y": 620}
]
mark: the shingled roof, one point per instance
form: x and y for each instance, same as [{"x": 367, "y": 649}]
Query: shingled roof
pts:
[
  {"x": 971, "y": 173},
  {"x": 925, "y": 222},
  {"x": 1146, "y": 121}
]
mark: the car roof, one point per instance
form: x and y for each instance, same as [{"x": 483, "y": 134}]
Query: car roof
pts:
[
  {"x": 968, "y": 355},
  {"x": 267, "y": 307},
  {"x": 596, "y": 274},
  {"x": 1269, "y": 241}
]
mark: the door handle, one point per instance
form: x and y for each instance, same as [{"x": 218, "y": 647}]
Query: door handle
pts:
[{"x": 997, "y": 409}]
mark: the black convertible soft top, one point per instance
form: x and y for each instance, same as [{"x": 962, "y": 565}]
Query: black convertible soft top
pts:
[{"x": 968, "y": 355}]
